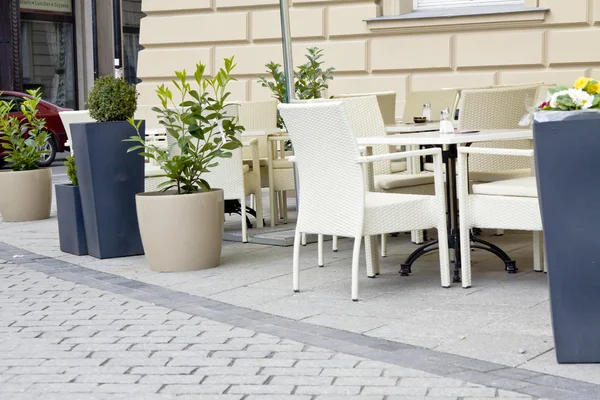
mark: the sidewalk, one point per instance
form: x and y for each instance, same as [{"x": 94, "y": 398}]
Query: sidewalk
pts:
[{"x": 503, "y": 322}]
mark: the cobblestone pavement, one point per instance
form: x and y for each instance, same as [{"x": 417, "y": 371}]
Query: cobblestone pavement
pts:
[{"x": 63, "y": 340}]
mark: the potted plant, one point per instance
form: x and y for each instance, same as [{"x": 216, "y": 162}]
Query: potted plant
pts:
[
  {"x": 71, "y": 230},
  {"x": 26, "y": 193},
  {"x": 182, "y": 225},
  {"x": 567, "y": 155},
  {"x": 109, "y": 177}
]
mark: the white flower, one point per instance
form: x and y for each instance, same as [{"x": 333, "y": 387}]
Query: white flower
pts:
[{"x": 581, "y": 98}]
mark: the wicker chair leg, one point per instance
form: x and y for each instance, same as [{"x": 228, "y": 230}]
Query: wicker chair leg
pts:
[
  {"x": 296, "y": 262},
  {"x": 538, "y": 257},
  {"x": 303, "y": 239},
  {"x": 320, "y": 251},
  {"x": 284, "y": 209},
  {"x": 465, "y": 252},
  {"x": 444, "y": 257},
  {"x": 259, "y": 208},
  {"x": 273, "y": 206},
  {"x": 372, "y": 256},
  {"x": 280, "y": 205},
  {"x": 417, "y": 237},
  {"x": 355, "y": 263},
  {"x": 384, "y": 245},
  {"x": 244, "y": 223},
  {"x": 334, "y": 244}
]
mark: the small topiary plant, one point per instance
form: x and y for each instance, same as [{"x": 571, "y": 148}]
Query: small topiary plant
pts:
[
  {"x": 112, "y": 99},
  {"x": 71, "y": 170}
]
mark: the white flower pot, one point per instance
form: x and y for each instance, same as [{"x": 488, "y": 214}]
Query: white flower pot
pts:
[
  {"x": 181, "y": 232},
  {"x": 25, "y": 195}
]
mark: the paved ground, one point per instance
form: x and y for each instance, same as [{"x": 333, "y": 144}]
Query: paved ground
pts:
[
  {"x": 60, "y": 338},
  {"x": 496, "y": 334}
]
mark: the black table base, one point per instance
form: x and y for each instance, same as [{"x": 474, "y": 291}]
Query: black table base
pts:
[{"x": 449, "y": 157}]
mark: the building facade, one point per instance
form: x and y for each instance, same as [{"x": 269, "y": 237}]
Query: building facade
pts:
[
  {"x": 375, "y": 45},
  {"x": 60, "y": 46}
]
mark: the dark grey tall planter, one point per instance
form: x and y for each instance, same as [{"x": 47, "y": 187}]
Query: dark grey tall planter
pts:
[
  {"x": 567, "y": 154},
  {"x": 71, "y": 230},
  {"x": 109, "y": 178}
]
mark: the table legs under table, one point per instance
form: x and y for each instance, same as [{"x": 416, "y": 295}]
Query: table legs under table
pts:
[{"x": 449, "y": 155}]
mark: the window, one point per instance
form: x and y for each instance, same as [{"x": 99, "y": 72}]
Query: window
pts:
[{"x": 432, "y": 4}]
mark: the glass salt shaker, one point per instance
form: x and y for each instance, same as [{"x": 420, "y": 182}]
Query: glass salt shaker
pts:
[
  {"x": 427, "y": 112},
  {"x": 445, "y": 123}
]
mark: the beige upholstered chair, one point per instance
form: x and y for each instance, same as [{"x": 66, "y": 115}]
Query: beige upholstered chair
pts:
[
  {"x": 260, "y": 118},
  {"x": 439, "y": 100},
  {"x": 386, "y": 101},
  {"x": 360, "y": 213}
]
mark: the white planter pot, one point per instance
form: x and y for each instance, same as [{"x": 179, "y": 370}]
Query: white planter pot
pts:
[
  {"x": 25, "y": 195},
  {"x": 181, "y": 232}
]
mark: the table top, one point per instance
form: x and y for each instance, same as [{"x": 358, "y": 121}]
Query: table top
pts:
[
  {"x": 412, "y": 127},
  {"x": 436, "y": 138}
]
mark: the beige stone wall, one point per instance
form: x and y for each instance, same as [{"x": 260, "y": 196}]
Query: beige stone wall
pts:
[{"x": 553, "y": 47}]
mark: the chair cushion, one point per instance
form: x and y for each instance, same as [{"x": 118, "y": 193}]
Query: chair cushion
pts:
[
  {"x": 394, "y": 181},
  {"x": 518, "y": 187},
  {"x": 398, "y": 166},
  {"x": 492, "y": 176}
]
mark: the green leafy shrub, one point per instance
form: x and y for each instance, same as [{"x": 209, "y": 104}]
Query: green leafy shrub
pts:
[
  {"x": 25, "y": 139},
  {"x": 198, "y": 123},
  {"x": 112, "y": 99},
  {"x": 310, "y": 79},
  {"x": 71, "y": 170}
]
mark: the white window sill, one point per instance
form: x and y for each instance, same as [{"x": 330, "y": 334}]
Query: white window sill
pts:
[{"x": 459, "y": 18}]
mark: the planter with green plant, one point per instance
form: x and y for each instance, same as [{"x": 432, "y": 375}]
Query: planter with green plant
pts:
[
  {"x": 26, "y": 193},
  {"x": 71, "y": 229},
  {"x": 182, "y": 225},
  {"x": 109, "y": 176}
]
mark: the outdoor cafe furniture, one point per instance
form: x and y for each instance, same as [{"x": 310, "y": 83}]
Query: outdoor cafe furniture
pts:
[
  {"x": 259, "y": 118},
  {"x": 503, "y": 204},
  {"x": 450, "y": 143},
  {"x": 313, "y": 127}
]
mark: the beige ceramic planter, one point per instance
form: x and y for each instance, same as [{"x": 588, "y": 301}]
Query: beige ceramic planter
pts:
[
  {"x": 25, "y": 195},
  {"x": 181, "y": 232}
]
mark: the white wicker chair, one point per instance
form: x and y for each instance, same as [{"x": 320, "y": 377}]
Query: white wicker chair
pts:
[
  {"x": 503, "y": 204},
  {"x": 500, "y": 108},
  {"x": 386, "y": 102},
  {"x": 236, "y": 179},
  {"x": 313, "y": 127},
  {"x": 439, "y": 100},
  {"x": 73, "y": 117},
  {"x": 364, "y": 114},
  {"x": 276, "y": 173}
]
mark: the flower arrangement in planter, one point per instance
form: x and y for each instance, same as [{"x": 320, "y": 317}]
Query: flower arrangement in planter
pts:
[
  {"x": 567, "y": 155},
  {"x": 26, "y": 193},
  {"x": 109, "y": 176},
  {"x": 71, "y": 228},
  {"x": 583, "y": 96},
  {"x": 182, "y": 225}
]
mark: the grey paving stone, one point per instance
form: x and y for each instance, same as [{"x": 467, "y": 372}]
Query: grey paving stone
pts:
[
  {"x": 236, "y": 379},
  {"x": 63, "y": 387},
  {"x": 302, "y": 380},
  {"x": 329, "y": 390},
  {"x": 396, "y": 390},
  {"x": 172, "y": 379},
  {"x": 366, "y": 381},
  {"x": 279, "y": 371},
  {"x": 232, "y": 371},
  {"x": 305, "y": 355},
  {"x": 138, "y": 389},
  {"x": 363, "y": 372},
  {"x": 261, "y": 389},
  {"x": 463, "y": 392},
  {"x": 155, "y": 370},
  {"x": 264, "y": 362},
  {"x": 194, "y": 389},
  {"x": 108, "y": 378},
  {"x": 41, "y": 378},
  {"x": 193, "y": 362},
  {"x": 278, "y": 397}
]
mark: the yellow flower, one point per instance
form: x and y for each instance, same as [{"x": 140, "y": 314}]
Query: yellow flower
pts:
[
  {"x": 581, "y": 83},
  {"x": 593, "y": 88}
]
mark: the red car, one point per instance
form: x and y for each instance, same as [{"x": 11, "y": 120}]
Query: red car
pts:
[{"x": 54, "y": 125}]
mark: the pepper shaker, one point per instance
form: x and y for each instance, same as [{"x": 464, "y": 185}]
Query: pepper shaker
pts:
[{"x": 445, "y": 123}]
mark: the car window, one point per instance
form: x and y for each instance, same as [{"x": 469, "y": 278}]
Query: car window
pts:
[{"x": 17, "y": 101}]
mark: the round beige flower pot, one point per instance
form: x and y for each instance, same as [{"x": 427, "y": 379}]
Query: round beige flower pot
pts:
[
  {"x": 181, "y": 232},
  {"x": 25, "y": 195}
]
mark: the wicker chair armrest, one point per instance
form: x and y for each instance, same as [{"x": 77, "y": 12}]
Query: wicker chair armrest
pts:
[
  {"x": 436, "y": 152},
  {"x": 496, "y": 151}
]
